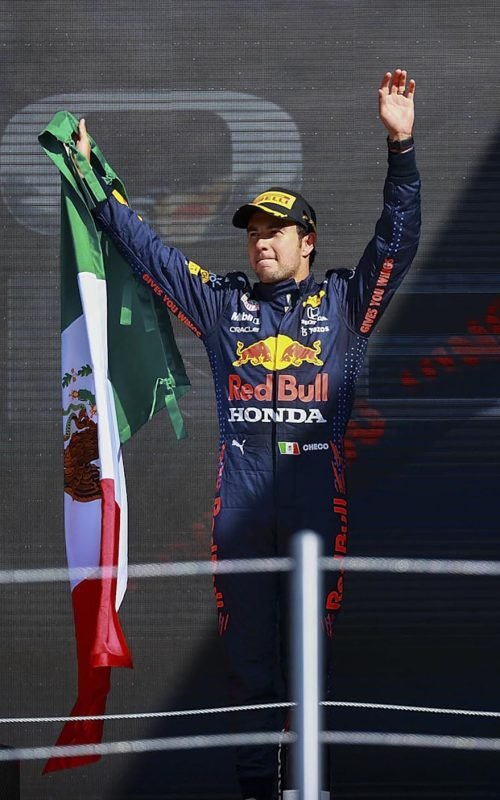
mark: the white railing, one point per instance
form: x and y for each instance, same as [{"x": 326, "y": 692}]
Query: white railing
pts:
[{"x": 307, "y": 564}]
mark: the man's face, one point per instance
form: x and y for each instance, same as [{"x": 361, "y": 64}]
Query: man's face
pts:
[{"x": 275, "y": 250}]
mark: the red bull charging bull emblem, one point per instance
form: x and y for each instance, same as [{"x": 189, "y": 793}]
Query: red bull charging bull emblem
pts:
[{"x": 277, "y": 352}]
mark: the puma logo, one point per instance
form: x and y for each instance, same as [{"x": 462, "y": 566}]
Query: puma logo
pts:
[{"x": 241, "y": 445}]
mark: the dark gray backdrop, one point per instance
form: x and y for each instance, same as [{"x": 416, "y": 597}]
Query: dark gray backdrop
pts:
[{"x": 197, "y": 105}]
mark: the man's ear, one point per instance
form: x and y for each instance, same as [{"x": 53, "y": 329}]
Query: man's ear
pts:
[{"x": 308, "y": 243}]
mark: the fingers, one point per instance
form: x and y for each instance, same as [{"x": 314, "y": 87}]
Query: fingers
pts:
[
  {"x": 385, "y": 84},
  {"x": 397, "y": 84},
  {"x": 82, "y": 140},
  {"x": 82, "y": 134},
  {"x": 82, "y": 128}
]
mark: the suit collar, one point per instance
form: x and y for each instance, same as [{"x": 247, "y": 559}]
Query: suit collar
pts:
[{"x": 272, "y": 291}]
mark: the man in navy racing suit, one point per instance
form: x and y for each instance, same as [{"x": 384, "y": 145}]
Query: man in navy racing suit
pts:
[{"x": 285, "y": 355}]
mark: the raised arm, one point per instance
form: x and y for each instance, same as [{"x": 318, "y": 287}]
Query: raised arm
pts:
[
  {"x": 366, "y": 292},
  {"x": 197, "y": 297}
]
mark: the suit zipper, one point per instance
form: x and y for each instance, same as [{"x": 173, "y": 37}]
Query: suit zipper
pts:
[{"x": 286, "y": 310}]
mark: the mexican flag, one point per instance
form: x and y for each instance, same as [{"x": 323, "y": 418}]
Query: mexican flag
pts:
[
  {"x": 115, "y": 376},
  {"x": 289, "y": 448}
]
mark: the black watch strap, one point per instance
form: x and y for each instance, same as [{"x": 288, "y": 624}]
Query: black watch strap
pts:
[{"x": 399, "y": 145}]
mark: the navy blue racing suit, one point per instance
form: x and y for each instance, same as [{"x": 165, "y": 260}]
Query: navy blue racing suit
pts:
[{"x": 285, "y": 359}]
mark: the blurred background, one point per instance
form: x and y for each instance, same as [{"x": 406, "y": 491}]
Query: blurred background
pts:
[{"x": 198, "y": 105}]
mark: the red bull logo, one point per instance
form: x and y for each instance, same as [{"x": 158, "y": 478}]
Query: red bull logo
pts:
[
  {"x": 255, "y": 354},
  {"x": 278, "y": 352},
  {"x": 287, "y": 389}
]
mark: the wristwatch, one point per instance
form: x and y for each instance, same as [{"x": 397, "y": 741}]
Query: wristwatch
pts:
[{"x": 399, "y": 145}]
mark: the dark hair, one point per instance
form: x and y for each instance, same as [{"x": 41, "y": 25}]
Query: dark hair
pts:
[{"x": 302, "y": 232}]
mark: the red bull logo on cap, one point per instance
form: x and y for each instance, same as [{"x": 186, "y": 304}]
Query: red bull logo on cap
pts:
[{"x": 277, "y": 352}]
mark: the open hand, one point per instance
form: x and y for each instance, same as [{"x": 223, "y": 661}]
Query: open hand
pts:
[{"x": 395, "y": 102}]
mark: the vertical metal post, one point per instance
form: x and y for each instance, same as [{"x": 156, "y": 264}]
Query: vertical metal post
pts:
[
  {"x": 306, "y": 661},
  {"x": 9, "y": 778}
]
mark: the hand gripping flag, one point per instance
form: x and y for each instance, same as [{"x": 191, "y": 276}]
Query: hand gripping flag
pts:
[{"x": 118, "y": 369}]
